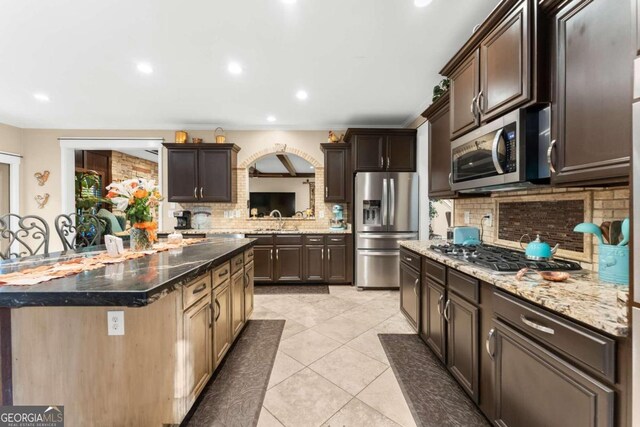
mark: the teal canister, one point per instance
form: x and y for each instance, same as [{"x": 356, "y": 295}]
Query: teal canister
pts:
[{"x": 613, "y": 264}]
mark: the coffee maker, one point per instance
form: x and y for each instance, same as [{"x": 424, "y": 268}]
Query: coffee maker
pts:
[{"x": 184, "y": 220}]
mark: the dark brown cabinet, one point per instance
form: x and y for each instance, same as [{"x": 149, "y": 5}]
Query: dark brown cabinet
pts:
[
  {"x": 463, "y": 95},
  {"x": 439, "y": 148},
  {"x": 337, "y": 173},
  {"x": 202, "y": 174},
  {"x": 409, "y": 290},
  {"x": 534, "y": 387},
  {"x": 288, "y": 264},
  {"x": 462, "y": 343},
  {"x": 337, "y": 269},
  {"x": 314, "y": 270},
  {"x": 263, "y": 263},
  {"x": 433, "y": 326},
  {"x": 379, "y": 150},
  {"x": 594, "y": 47}
]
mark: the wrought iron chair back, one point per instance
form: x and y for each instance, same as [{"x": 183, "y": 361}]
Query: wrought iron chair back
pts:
[
  {"x": 78, "y": 231},
  {"x": 29, "y": 235}
]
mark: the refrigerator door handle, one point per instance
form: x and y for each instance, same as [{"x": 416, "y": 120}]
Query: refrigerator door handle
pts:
[
  {"x": 392, "y": 202},
  {"x": 384, "y": 201}
]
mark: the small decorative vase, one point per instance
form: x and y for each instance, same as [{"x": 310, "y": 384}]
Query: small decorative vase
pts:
[{"x": 140, "y": 240}]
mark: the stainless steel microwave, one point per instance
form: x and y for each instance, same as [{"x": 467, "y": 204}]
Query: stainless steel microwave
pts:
[{"x": 507, "y": 153}]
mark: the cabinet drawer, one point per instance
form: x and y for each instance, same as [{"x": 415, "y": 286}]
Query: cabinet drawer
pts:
[
  {"x": 314, "y": 240},
  {"x": 587, "y": 348},
  {"x": 236, "y": 263},
  {"x": 195, "y": 290},
  {"x": 410, "y": 258},
  {"x": 248, "y": 256},
  {"x": 221, "y": 274},
  {"x": 288, "y": 239},
  {"x": 434, "y": 270},
  {"x": 262, "y": 239},
  {"x": 466, "y": 286},
  {"x": 336, "y": 240}
]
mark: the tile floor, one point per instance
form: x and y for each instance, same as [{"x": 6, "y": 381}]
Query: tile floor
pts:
[{"x": 331, "y": 369}]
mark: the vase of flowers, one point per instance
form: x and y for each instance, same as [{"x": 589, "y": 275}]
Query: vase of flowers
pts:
[{"x": 138, "y": 198}]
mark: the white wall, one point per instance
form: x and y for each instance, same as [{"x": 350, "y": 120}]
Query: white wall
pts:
[
  {"x": 283, "y": 185},
  {"x": 423, "y": 173}
]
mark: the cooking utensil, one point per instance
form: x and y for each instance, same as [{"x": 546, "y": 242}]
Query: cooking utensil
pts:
[
  {"x": 605, "y": 227},
  {"x": 626, "y": 233},
  {"x": 591, "y": 228},
  {"x": 538, "y": 249},
  {"x": 614, "y": 232}
]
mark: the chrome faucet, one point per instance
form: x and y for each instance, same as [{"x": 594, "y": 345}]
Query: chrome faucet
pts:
[{"x": 279, "y": 216}]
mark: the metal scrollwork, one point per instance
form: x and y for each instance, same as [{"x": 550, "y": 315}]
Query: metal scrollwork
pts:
[
  {"x": 23, "y": 236},
  {"x": 78, "y": 231}
]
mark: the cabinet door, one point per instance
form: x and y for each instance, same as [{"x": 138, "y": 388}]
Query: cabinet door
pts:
[
  {"x": 409, "y": 288},
  {"x": 337, "y": 269},
  {"x": 433, "y": 329},
  {"x": 336, "y": 175},
  {"x": 215, "y": 175},
  {"x": 197, "y": 322},
  {"x": 182, "y": 175},
  {"x": 401, "y": 153},
  {"x": 534, "y": 387},
  {"x": 592, "y": 120},
  {"x": 237, "y": 303},
  {"x": 222, "y": 321},
  {"x": 440, "y": 154},
  {"x": 289, "y": 263},
  {"x": 248, "y": 290},
  {"x": 505, "y": 65},
  {"x": 462, "y": 343},
  {"x": 263, "y": 263},
  {"x": 369, "y": 153},
  {"x": 463, "y": 93},
  {"x": 314, "y": 264}
]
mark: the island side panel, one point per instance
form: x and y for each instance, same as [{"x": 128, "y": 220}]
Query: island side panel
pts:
[{"x": 63, "y": 356}]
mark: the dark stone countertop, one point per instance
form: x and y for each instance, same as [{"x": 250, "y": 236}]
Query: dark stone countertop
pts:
[{"x": 132, "y": 283}]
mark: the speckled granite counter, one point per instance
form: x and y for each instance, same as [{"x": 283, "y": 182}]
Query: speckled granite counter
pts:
[
  {"x": 215, "y": 231},
  {"x": 583, "y": 297},
  {"x": 132, "y": 283}
]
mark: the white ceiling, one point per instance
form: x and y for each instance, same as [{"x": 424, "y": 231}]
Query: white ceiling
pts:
[
  {"x": 363, "y": 62},
  {"x": 271, "y": 164}
]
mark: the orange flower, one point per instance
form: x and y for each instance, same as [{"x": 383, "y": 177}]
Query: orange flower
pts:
[
  {"x": 112, "y": 194},
  {"x": 150, "y": 226},
  {"x": 140, "y": 193},
  {"x": 134, "y": 184}
]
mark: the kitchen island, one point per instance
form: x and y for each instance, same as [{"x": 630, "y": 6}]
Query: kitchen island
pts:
[{"x": 129, "y": 344}]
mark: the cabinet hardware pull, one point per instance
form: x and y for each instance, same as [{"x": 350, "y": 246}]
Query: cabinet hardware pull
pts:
[
  {"x": 487, "y": 343},
  {"x": 271, "y": 254},
  {"x": 336, "y": 240},
  {"x": 450, "y": 179},
  {"x": 381, "y": 161},
  {"x": 238, "y": 262},
  {"x": 479, "y": 103},
  {"x": 200, "y": 289},
  {"x": 536, "y": 326},
  {"x": 472, "y": 107},
  {"x": 224, "y": 273},
  {"x": 446, "y": 310},
  {"x": 326, "y": 192},
  {"x": 322, "y": 252},
  {"x": 246, "y": 280},
  {"x": 552, "y": 167},
  {"x": 415, "y": 287},
  {"x": 218, "y": 310},
  {"x": 277, "y": 254},
  {"x": 210, "y": 314},
  {"x": 195, "y": 193},
  {"x": 201, "y": 189},
  {"x": 329, "y": 253},
  {"x": 388, "y": 162},
  {"x": 408, "y": 259},
  {"x": 440, "y": 304}
]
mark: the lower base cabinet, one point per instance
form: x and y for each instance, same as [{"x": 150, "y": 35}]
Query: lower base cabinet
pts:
[
  {"x": 409, "y": 288},
  {"x": 248, "y": 290},
  {"x": 534, "y": 387},
  {"x": 433, "y": 326},
  {"x": 462, "y": 343},
  {"x": 222, "y": 321},
  {"x": 197, "y": 322},
  {"x": 238, "y": 281},
  {"x": 337, "y": 268}
]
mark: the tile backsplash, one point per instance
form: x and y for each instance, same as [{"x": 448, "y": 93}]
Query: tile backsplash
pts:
[{"x": 555, "y": 211}]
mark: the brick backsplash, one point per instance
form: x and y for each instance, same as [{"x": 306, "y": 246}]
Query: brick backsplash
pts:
[{"x": 605, "y": 204}]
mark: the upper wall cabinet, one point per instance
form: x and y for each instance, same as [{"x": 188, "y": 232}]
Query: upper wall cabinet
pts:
[
  {"x": 593, "y": 52},
  {"x": 496, "y": 71},
  {"x": 379, "y": 150},
  {"x": 202, "y": 173},
  {"x": 438, "y": 115},
  {"x": 337, "y": 173}
]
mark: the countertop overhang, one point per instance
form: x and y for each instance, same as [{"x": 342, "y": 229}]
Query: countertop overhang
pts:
[
  {"x": 214, "y": 231},
  {"x": 134, "y": 283},
  {"x": 584, "y": 298}
]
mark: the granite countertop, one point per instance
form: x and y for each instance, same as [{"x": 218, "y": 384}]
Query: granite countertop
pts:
[
  {"x": 583, "y": 297},
  {"x": 260, "y": 231},
  {"x": 132, "y": 283}
]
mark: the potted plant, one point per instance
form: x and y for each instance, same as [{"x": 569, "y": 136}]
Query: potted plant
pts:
[{"x": 87, "y": 192}]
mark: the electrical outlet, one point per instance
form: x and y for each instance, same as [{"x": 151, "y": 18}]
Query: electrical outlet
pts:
[
  {"x": 321, "y": 214},
  {"x": 115, "y": 322},
  {"x": 489, "y": 219},
  {"x": 467, "y": 217}
]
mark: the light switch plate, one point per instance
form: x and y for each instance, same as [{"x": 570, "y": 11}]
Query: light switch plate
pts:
[{"x": 115, "y": 322}]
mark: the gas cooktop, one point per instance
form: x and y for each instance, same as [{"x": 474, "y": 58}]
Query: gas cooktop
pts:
[{"x": 502, "y": 259}]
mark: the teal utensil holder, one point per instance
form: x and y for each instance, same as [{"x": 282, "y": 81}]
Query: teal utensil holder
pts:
[{"x": 613, "y": 264}]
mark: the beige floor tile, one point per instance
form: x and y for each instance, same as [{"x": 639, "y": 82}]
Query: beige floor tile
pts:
[
  {"x": 267, "y": 420},
  {"x": 309, "y": 315},
  {"x": 336, "y": 305},
  {"x": 305, "y": 399},
  {"x": 264, "y": 314},
  {"x": 356, "y": 414},
  {"x": 385, "y": 396},
  {"x": 283, "y": 367},
  {"x": 308, "y": 346},
  {"x": 342, "y": 329},
  {"x": 369, "y": 344},
  {"x": 311, "y": 298},
  {"x": 282, "y": 305},
  {"x": 291, "y": 327},
  {"x": 397, "y": 324},
  {"x": 349, "y": 369},
  {"x": 369, "y": 316}
]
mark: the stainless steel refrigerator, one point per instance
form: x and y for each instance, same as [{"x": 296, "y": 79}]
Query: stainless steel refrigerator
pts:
[{"x": 386, "y": 211}]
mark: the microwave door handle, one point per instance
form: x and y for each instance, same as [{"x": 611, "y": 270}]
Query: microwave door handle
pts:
[
  {"x": 384, "y": 201},
  {"x": 392, "y": 202},
  {"x": 494, "y": 152}
]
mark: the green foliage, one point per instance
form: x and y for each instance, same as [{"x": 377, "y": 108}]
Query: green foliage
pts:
[
  {"x": 87, "y": 190},
  {"x": 440, "y": 89},
  {"x": 433, "y": 213}
]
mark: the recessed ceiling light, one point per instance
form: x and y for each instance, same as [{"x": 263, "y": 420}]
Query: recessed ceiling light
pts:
[
  {"x": 42, "y": 97},
  {"x": 234, "y": 68},
  {"x": 145, "y": 68},
  {"x": 271, "y": 119},
  {"x": 422, "y": 3},
  {"x": 311, "y": 167},
  {"x": 302, "y": 95},
  {"x": 289, "y": 1}
]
